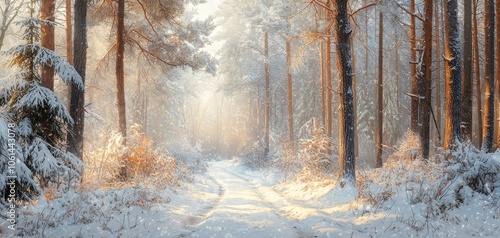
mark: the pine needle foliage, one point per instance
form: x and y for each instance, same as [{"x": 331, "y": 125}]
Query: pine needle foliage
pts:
[{"x": 38, "y": 117}]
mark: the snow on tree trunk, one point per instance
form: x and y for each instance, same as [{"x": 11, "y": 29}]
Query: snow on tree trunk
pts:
[
  {"x": 77, "y": 100},
  {"x": 453, "y": 75},
  {"x": 497, "y": 15},
  {"x": 346, "y": 107},
  {"x": 489, "y": 74},
  {"x": 467, "y": 74}
]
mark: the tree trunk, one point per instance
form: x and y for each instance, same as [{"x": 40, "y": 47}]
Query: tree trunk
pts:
[
  {"x": 259, "y": 111},
  {"x": 355, "y": 95},
  {"x": 290, "y": 91},
  {"x": 478, "y": 73},
  {"x": 467, "y": 74},
  {"x": 322, "y": 80},
  {"x": 47, "y": 40},
  {"x": 328, "y": 68},
  {"x": 120, "y": 77},
  {"x": 426, "y": 73},
  {"x": 69, "y": 33},
  {"x": 77, "y": 99},
  {"x": 453, "y": 75},
  {"x": 497, "y": 15},
  {"x": 398, "y": 80},
  {"x": 346, "y": 107},
  {"x": 438, "y": 77},
  {"x": 69, "y": 44},
  {"x": 489, "y": 74},
  {"x": 413, "y": 72},
  {"x": 380, "y": 108},
  {"x": 268, "y": 95}
]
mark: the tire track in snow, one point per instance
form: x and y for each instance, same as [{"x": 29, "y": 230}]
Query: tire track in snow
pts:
[
  {"x": 194, "y": 220},
  {"x": 277, "y": 205}
]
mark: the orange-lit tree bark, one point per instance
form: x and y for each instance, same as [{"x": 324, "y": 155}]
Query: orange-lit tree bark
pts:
[
  {"x": 467, "y": 74},
  {"x": 413, "y": 72},
  {"x": 425, "y": 76},
  {"x": 119, "y": 70},
  {"x": 69, "y": 42},
  {"x": 346, "y": 107},
  {"x": 47, "y": 36},
  {"x": 380, "y": 108},
  {"x": 267, "y": 109},
  {"x": 489, "y": 74},
  {"x": 69, "y": 33},
  {"x": 453, "y": 75},
  {"x": 77, "y": 96},
  {"x": 477, "y": 73}
]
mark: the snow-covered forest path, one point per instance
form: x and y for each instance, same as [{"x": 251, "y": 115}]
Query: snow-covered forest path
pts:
[{"x": 239, "y": 211}]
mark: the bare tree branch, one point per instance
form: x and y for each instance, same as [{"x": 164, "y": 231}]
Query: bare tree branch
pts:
[
  {"x": 365, "y": 7},
  {"x": 409, "y": 12}
]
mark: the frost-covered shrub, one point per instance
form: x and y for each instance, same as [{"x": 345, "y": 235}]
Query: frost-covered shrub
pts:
[
  {"x": 102, "y": 162},
  {"x": 187, "y": 155},
  {"x": 38, "y": 118},
  {"x": 465, "y": 170},
  {"x": 480, "y": 170},
  {"x": 316, "y": 152},
  {"x": 445, "y": 182},
  {"x": 146, "y": 165},
  {"x": 408, "y": 149},
  {"x": 253, "y": 157}
]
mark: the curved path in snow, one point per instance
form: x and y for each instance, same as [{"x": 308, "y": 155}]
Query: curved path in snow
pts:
[{"x": 240, "y": 211}]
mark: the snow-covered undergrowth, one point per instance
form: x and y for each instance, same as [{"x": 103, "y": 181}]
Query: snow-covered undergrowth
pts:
[
  {"x": 143, "y": 163},
  {"x": 453, "y": 194},
  {"x": 310, "y": 159},
  {"x": 124, "y": 212},
  {"x": 153, "y": 198}
]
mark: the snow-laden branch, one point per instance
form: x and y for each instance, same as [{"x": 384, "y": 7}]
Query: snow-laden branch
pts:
[{"x": 49, "y": 58}]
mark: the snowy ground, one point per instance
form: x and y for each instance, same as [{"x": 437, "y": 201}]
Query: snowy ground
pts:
[{"x": 232, "y": 201}]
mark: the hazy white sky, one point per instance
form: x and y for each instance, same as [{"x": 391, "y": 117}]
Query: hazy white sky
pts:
[
  {"x": 205, "y": 10},
  {"x": 208, "y": 9}
]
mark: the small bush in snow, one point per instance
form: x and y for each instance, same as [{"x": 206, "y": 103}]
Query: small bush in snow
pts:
[
  {"x": 146, "y": 165},
  {"x": 315, "y": 153},
  {"x": 254, "y": 158}
]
